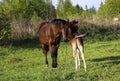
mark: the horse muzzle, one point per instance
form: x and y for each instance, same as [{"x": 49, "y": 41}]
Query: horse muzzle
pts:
[{"x": 66, "y": 40}]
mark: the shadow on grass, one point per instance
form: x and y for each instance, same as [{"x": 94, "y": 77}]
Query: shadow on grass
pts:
[
  {"x": 67, "y": 77},
  {"x": 111, "y": 59},
  {"x": 27, "y": 43}
]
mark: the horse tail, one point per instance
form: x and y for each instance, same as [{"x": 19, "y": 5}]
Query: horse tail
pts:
[
  {"x": 41, "y": 25},
  {"x": 82, "y": 35}
]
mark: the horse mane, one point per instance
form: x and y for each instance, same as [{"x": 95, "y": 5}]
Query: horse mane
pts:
[
  {"x": 52, "y": 21},
  {"x": 58, "y": 21},
  {"x": 41, "y": 25}
]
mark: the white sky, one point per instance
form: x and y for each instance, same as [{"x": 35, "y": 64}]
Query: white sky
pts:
[{"x": 89, "y": 3}]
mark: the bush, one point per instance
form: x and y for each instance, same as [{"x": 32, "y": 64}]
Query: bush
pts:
[
  {"x": 99, "y": 32},
  {"x": 5, "y": 30}
]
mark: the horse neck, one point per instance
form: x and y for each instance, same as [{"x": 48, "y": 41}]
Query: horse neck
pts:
[{"x": 56, "y": 29}]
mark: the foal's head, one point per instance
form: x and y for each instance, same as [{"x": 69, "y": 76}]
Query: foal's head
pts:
[{"x": 73, "y": 26}]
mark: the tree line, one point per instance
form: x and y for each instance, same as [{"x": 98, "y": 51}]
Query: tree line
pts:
[{"x": 25, "y": 14}]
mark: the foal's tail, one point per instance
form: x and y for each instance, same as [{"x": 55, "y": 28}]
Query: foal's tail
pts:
[
  {"x": 82, "y": 35},
  {"x": 40, "y": 25}
]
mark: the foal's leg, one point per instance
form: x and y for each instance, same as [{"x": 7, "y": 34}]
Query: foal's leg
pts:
[
  {"x": 75, "y": 58},
  {"x": 82, "y": 55},
  {"x": 81, "y": 48},
  {"x": 75, "y": 55},
  {"x": 78, "y": 58}
]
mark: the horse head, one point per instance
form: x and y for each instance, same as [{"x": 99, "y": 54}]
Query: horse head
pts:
[
  {"x": 64, "y": 26},
  {"x": 65, "y": 31}
]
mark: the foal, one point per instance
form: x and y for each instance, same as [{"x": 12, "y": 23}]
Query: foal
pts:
[{"x": 76, "y": 42}]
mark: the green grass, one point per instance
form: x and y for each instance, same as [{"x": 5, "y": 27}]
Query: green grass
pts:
[{"x": 26, "y": 63}]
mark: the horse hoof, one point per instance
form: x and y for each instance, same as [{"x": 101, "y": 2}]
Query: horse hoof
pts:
[
  {"x": 66, "y": 40},
  {"x": 54, "y": 65}
]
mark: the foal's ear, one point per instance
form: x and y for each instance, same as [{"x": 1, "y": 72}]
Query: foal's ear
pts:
[{"x": 75, "y": 22}]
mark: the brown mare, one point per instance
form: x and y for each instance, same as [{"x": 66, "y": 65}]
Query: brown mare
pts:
[
  {"x": 76, "y": 42},
  {"x": 50, "y": 34}
]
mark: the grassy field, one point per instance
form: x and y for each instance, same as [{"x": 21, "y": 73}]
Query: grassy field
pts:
[{"x": 25, "y": 62}]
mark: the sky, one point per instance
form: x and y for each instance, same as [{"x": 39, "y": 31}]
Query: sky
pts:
[
  {"x": 83, "y": 3},
  {"x": 89, "y": 3}
]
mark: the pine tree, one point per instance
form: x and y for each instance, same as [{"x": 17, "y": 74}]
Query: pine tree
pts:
[{"x": 111, "y": 8}]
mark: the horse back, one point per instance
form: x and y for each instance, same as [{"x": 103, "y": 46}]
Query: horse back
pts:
[
  {"x": 42, "y": 25},
  {"x": 48, "y": 33}
]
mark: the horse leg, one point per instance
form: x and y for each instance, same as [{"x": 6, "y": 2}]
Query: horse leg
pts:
[
  {"x": 55, "y": 57},
  {"x": 83, "y": 58},
  {"x": 46, "y": 60},
  {"x": 45, "y": 50},
  {"x": 75, "y": 58},
  {"x": 75, "y": 55},
  {"x": 82, "y": 55},
  {"x": 53, "y": 51},
  {"x": 78, "y": 58}
]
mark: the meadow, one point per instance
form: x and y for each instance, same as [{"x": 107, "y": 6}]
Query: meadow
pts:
[{"x": 24, "y": 61}]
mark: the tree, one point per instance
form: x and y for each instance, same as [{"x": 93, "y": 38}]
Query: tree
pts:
[
  {"x": 5, "y": 30},
  {"x": 44, "y": 9},
  {"x": 65, "y": 9},
  {"x": 89, "y": 12},
  {"x": 111, "y": 8},
  {"x": 20, "y": 16},
  {"x": 68, "y": 8},
  {"x": 79, "y": 9},
  {"x": 60, "y": 8}
]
